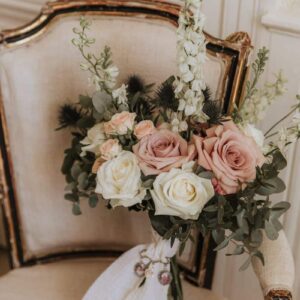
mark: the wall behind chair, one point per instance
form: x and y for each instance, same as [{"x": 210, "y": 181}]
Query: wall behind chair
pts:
[{"x": 271, "y": 23}]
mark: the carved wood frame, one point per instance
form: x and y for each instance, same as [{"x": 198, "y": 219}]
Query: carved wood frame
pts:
[{"x": 234, "y": 51}]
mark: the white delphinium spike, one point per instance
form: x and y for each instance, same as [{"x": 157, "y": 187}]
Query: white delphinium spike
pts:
[
  {"x": 120, "y": 95},
  {"x": 254, "y": 108},
  {"x": 177, "y": 123},
  {"x": 191, "y": 55}
]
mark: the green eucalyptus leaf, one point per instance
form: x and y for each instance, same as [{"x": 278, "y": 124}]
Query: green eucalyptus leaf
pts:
[
  {"x": 76, "y": 209},
  {"x": 256, "y": 236},
  {"x": 218, "y": 235},
  {"x": 271, "y": 186},
  {"x": 277, "y": 224},
  {"x": 86, "y": 122},
  {"x": 71, "y": 186},
  {"x": 67, "y": 163},
  {"x": 93, "y": 200},
  {"x": 85, "y": 101},
  {"x": 279, "y": 161},
  {"x": 83, "y": 180},
  {"x": 239, "y": 249},
  {"x": 71, "y": 197},
  {"x": 102, "y": 101},
  {"x": 283, "y": 205},
  {"x": 246, "y": 264},
  {"x": 259, "y": 255},
  {"x": 271, "y": 231},
  {"x": 206, "y": 175},
  {"x": 223, "y": 244},
  {"x": 75, "y": 171},
  {"x": 210, "y": 208}
]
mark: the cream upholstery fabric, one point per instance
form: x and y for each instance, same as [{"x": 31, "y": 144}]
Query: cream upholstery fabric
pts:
[
  {"x": 67, "y": 280},
  {"x": 279, "y": 269},
  {"x": 36, "y": 79}
]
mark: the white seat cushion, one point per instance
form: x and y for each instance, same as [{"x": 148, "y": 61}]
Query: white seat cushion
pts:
[{"x": 67, "y": 280}]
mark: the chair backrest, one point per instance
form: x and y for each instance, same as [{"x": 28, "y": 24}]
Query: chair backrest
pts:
[{"x": 39, "y": 70}]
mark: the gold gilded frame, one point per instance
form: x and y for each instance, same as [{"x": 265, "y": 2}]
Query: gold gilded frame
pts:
[{"x": 234, "y": 52}]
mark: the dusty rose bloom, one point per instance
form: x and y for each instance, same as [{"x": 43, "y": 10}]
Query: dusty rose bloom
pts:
[
  {"x": 230, "y": 155},
  {"x": 162, "y": 151}
]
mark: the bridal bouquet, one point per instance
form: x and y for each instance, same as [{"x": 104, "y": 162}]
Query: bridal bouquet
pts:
[{"x": 170, "y": 150}]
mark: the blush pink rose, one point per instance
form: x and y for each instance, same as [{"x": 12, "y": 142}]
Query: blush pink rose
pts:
[
  {"x": 110, "y": 149},
  {"x": 144, "y": 128},
  {"x": 162, "y": 151},
  {"x": 230, "y": 155},
  {"x": 120, "y": 123}
]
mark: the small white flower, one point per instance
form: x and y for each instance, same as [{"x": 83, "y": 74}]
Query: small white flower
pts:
[
  {"x": 181, "y": 193},
  {"x": 119, "y": 180},
  {"x": 112, "y": 71},
  {"x": 191, "y": 56},
  {"x": 120, "y": 95},
  {"x": 94, "y": 139}
]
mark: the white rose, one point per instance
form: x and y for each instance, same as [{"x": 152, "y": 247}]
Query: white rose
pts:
[
  {"x": 94, "y": 139},
  {"x": 119, "y": 180},
  {"x": 251, "y": 131},
  {"x": 181, "y": 193}
]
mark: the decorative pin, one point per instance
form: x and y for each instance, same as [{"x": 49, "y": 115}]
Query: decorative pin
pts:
[
  {"x": 140, "y": 269},
  {"x": 164, "y": 277},
  {"x": 143, "y": 269}
]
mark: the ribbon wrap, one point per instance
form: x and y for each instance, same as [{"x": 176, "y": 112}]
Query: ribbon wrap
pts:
[{"x": 120, "y": 282}]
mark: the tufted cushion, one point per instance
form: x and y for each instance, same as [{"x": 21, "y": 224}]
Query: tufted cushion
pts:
[
  {"x": 67, "y": 280},
  {"x": 39, "y": 76}
]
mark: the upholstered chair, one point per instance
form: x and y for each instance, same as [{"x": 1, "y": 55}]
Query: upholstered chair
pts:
[{"x": 54, "y": 254}]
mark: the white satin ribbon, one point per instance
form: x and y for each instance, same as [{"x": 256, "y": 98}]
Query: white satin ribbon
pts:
[{"x": 119, "y": 281}]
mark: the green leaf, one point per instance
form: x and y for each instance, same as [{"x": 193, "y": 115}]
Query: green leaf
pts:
[
  {"x": 239, "y": 249},
  {"x": 277, "y": 224},
  {"x": 85, "y": 101},
  {"x": 67, "y": 163},
  {"x": 279, "y": 161},
  {"x": 148, "y": 183},
  {"x": 218, "y": 235},
  {"x": 223, "y": 244},
  {"x": 71, "y": 197},
  {"x": 76, "y": 209},
  {"x": 86, "y": 122},
  {"x": 93, "y": 200},
  {"x": 211, "y": 208},
  {"x": 102, "y": 101},
  {"x": 271, "y": 186},
  {"x": 75, "y": 171},
  {"x": 83, "y": 180},
  {"x": 246, "y": 264},
  {"x": 70, "y": 186},
  {"x": 283, "y": 205},
  {"x": 256, "y": 236},
  {"x": 271, "y": 231},
  {"x": 259, "y": 255},
  {"x": 206, "y": 175}
]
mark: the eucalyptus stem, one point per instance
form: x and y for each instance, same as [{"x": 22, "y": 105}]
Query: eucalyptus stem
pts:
[
  {"x": 281, "y": 120},
  {"x": 176, "y": 287}
]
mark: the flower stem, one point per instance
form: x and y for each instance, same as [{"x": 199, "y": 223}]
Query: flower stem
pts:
[{"x": 281, "y": 120}]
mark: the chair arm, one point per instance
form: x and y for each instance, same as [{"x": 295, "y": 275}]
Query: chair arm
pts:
[
  {"x": 279, "y": 295},
  {"x": 277, "y": 276}
]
